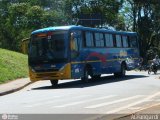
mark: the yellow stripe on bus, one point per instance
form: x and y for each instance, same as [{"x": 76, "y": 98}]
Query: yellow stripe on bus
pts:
[{"x": 82, "y": 62}]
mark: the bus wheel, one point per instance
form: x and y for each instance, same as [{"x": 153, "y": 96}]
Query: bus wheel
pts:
[
  {"x": 54, "y": 82},
  {"x": 122, "y": 73}
]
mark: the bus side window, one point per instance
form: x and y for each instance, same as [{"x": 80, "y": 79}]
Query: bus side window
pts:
[
  {"x": 99, "y": 39},
  {"x": 118, "y": 41},
  {"x": 73, "y": 42},
  {"x": 125, "y": 41},
  {"x": 114, "y": 40},
  {"x": 89, "y": 41},
  {"x": 128, "y": 41},
  {"x": 76, "y": 40},
  {"x": 109, "y": 40},
  {"x": 133, "y": 41}
]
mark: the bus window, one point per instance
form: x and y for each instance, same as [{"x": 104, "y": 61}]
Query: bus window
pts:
[
  {"x": 99, "y": 39},
  {"x": 133, "y": 41},
  {"x": 125, "y": 41},
  {"x": 76, "y": 40},
  {"x": 89, "y": 39},
  {"x": 118, "y": 41},
  {"x": 73, "y": 42},
  {"x": 109, "y": 40}
]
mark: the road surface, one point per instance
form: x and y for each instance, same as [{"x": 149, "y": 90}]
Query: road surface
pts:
[{"x": 105, "y": 97}]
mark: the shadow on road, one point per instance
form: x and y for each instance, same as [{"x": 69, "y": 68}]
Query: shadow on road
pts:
[{"x": 80, "y": 84}]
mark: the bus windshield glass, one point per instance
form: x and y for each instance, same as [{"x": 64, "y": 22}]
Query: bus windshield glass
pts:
[{"x": 48, "y": 47}]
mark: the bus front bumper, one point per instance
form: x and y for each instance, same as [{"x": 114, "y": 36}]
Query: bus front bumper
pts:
[{"x": 64, "y": 73}]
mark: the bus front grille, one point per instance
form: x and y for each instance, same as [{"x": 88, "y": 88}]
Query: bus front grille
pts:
[
  {"x": 47, "y": 70},
  {"x": 43, "y": 75}
]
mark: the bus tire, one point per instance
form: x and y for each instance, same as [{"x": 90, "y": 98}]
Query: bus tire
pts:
[
  {"x": 54, "y": 83},
  {"x": 122, "y": 73}
]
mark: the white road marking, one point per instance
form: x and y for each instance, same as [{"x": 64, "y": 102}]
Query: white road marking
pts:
[
  {"x": 144, "y": 108},
  {"x": 84, "y": 101},
  {"x": 113, "y": 102},
  {"x": 46, "y": 98},
  {"x": 133, "y": 104},
  {"x": 135, "y": 108},
  {"x": 53, "y": 101}
]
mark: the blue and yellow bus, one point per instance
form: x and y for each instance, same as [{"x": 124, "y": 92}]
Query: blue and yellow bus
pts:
[{"x": 73, "y": 52}]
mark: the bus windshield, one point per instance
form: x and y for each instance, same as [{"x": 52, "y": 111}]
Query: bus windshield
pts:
[{"x": 48, "y": 48}]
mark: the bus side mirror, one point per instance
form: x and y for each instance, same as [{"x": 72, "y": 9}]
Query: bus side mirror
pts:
[{"x": 25, "y": 45}]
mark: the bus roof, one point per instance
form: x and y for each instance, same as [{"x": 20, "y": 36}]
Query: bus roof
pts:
[{"x": 81, "y": 28}]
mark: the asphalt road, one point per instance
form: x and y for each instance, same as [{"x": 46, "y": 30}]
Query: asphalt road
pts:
[{"x": 107, "y": 97}]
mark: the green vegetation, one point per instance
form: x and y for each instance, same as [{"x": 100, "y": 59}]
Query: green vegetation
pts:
[
  {"x": 18, "y": 18},
  {"x": 13, "y": 65}
]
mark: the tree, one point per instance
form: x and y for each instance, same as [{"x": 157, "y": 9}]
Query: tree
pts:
[
  {"x": 143, "y": 17},
  {"x": 19, "y": 17},
  {"x": 108, "y": 9},
  {"x": 34, "y": 16}
]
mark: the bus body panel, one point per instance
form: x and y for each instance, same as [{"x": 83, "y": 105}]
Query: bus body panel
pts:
[{"x": 105, "y": 62}]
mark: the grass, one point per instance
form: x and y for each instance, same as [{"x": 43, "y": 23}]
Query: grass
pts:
[{"x": 13, "y": 65}]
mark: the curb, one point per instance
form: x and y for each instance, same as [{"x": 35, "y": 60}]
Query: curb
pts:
[{"x": 14, "y": 90}]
